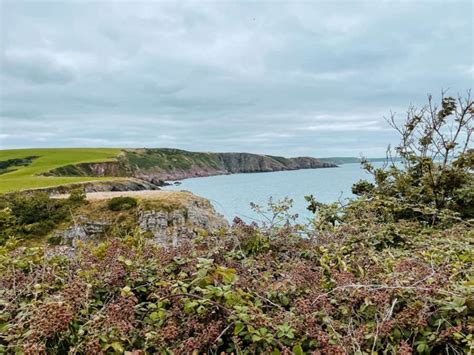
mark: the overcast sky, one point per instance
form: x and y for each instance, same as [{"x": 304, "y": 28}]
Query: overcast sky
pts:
[{"x": 313, "y": 78}]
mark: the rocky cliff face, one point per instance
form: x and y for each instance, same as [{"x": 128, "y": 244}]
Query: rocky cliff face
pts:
[
  {"x": 158, "y": 165},
  {"x": 171, "y": 227},
  {"x": 117, "y": 168},
  {"x": 164, "y": 220},
  {"x": 126, "y": 184}
]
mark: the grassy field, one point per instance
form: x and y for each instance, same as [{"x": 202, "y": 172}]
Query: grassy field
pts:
[{"x": 28, "y": 177}]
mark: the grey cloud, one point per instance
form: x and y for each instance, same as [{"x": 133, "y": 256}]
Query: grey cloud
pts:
[
  {"x": 278, "y": 78},
  {"x": 35, "y": 68}
]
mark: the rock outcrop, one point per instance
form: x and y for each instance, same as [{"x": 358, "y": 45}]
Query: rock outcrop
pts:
[
  {"x": 168, "y": 224},
  {"x": 126, "y": 184},
  {"x": 83, "y": 229},
  {"x": 169, "y": 228}
]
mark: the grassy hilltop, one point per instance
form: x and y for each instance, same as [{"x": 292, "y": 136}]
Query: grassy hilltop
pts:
[{"x": 28, "y": 176}]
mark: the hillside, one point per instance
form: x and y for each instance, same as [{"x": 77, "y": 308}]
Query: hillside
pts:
[
  {"x": 158, "y": 165},
  {"x": 40, "y": 168},
  {"x": 352, "y": 160},
  {"x": 24, "y": 168},
  {"x": 173, "y": 164}
]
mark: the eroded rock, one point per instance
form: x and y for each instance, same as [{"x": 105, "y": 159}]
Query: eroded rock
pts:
[
  {"x": 171, "y": 227},
  {"x": 167, "y": 226},
  {"x": 82, "y": 229}
]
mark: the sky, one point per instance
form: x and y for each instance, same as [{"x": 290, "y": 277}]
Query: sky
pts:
[{"x": 293, "y": 78}]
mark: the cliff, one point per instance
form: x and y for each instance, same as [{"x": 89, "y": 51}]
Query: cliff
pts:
[
  {"x": 158, "y": 165},
  {"x": 166, "y": 217}
]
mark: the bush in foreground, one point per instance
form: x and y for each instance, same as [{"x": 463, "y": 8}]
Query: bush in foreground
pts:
[{"x": 363, "y": 288}]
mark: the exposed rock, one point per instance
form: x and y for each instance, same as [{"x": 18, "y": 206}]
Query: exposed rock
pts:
[
  {"x": 170, "y": 227},
  {"x": 123, "y": 185},
  {"x": 129, "y": 184},
  {"x": 83, "y": 230},
  {"x": 168, "y": 224},
  {"x": 116, "y": 168}
]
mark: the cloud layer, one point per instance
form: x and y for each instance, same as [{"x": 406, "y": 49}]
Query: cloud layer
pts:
[{"x": 313, "y": 78}]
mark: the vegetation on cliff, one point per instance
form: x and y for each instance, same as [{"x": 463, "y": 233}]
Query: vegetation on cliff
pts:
[
  {"x": 23, "y": 169},
  {"x": 12, "y": 164},
  {"x": 161, "y": 164},
  {"x": 389, "y": 272}
]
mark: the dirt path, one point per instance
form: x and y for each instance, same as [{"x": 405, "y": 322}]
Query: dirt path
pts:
[{"x": 144, "y": 194}]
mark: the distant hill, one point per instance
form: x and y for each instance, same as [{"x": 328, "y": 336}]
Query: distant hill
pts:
[
  {"x": 40, "y": 168},
  {"x": 160, "y": 164},
  {"x": 350, "y": 160}
]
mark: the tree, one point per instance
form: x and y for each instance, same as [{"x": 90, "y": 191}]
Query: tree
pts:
[{"x": 432, "y": 167}]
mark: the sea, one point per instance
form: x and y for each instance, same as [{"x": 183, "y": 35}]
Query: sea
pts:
[{"x": 231, "y": 195}]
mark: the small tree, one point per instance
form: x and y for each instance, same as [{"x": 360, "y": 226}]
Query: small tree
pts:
[
  {"x": 432, "y": 167},
  {"x": 77, "y": 196}
]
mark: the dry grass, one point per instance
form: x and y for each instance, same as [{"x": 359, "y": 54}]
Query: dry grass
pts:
[
  {"x": 147, "y": 199},
  {"x": 172, "y": 197}
]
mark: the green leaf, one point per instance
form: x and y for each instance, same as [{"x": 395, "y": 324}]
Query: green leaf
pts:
[
  {"x": 298, "y": 350},
  {"x": 154, "y": 316},
  {"x": 117, "y": 347},
  {"x": 422, "y": 347},
  {"x": 239, "y": 326},
  {"x": 189, "y": 306}
]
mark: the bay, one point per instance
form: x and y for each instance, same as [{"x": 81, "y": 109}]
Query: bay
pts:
[{"x": 231, "y": 195}]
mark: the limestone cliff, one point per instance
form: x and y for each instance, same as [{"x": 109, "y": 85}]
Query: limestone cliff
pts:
[{"x": 168, "y": 217}]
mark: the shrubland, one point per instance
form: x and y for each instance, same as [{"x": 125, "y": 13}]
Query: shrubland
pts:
[
  {"x": 29, "y": 216},
  {"x": 387, "y": 272}
]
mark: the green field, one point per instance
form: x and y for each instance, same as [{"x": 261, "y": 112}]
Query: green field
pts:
[{"x": 29, "y": 177}]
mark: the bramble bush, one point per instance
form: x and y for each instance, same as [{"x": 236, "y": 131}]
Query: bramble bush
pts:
[{"x": 397, "y": 287}]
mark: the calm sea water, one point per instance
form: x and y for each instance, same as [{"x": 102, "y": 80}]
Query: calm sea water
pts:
[{"x": 232, "y": 194}]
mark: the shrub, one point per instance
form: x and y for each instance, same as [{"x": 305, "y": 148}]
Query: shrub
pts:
[
  {"x": 121, "y": 203},
  {"x": 77, "y": 196},
  {"x": 297, "y": 295},
  {"x": 31, "y": 214},
  {"x": 372, "y": 276},
  {"x": 39, "y": 228},
  {"x": 362, "y": 187},
  {"x": 55, "y": 240},
  {"x": 8, "y": 223},
  {"x": 430, "y": 172},
  {"x": 34, "y": 207}
]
